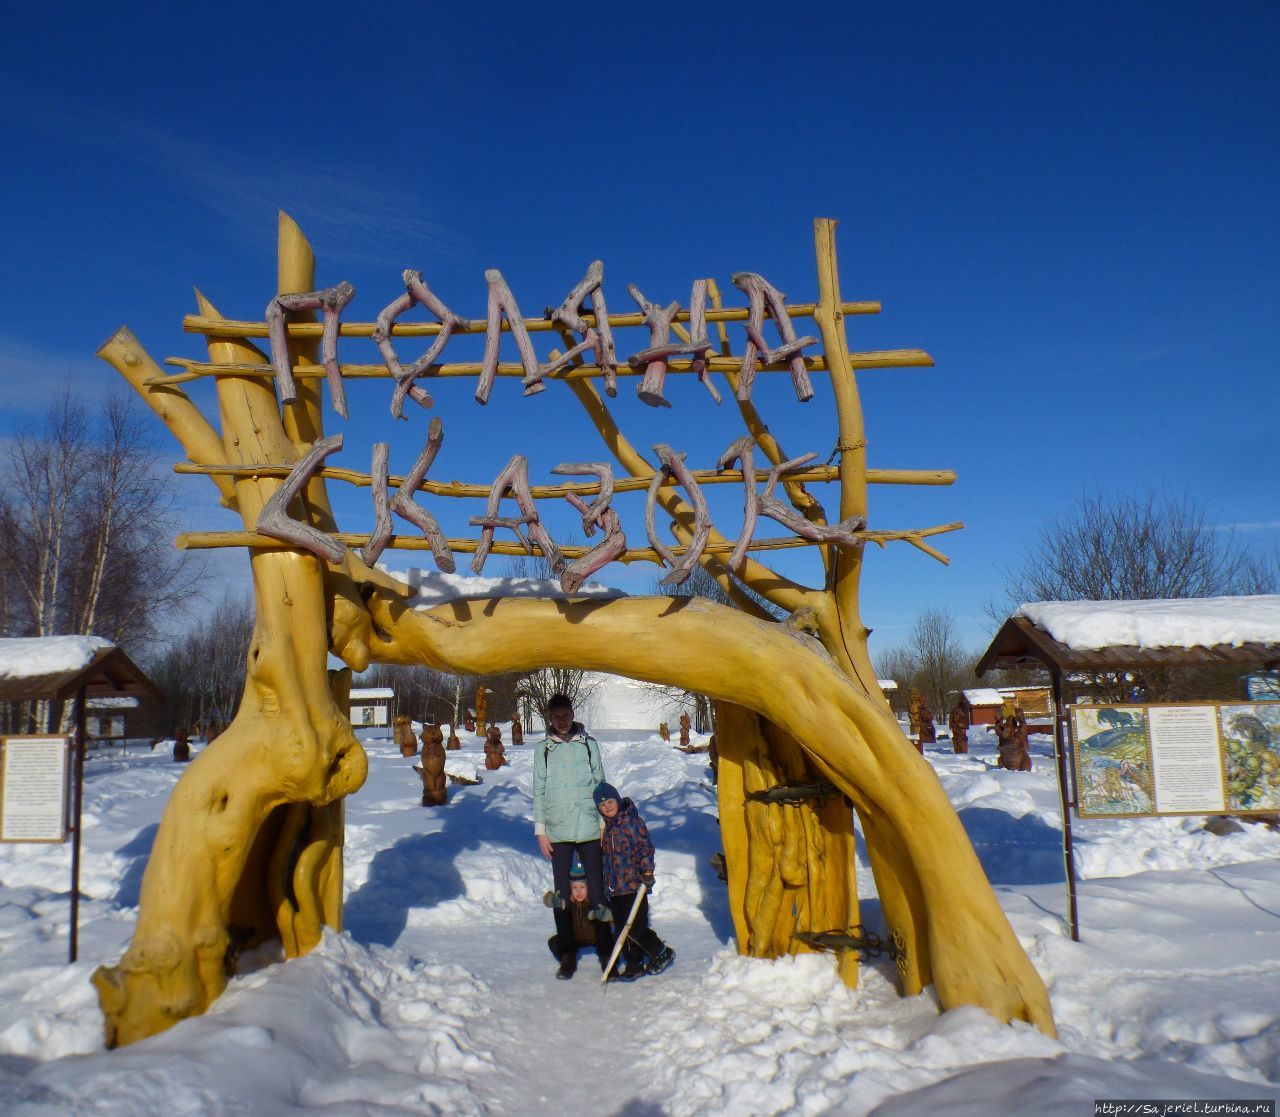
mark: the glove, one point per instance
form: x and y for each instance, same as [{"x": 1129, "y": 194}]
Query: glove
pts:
[
  {"x": 647, "y": 880},
  {"x": 553, "y": 900}
]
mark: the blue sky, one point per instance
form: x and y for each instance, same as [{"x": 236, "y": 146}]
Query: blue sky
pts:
[{"x": 1072, "y": 208}]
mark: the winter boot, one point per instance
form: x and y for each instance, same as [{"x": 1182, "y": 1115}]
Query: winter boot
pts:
[
  {"x": 631, "y": 971},
  {"x": 568, "y": 965},
  {"x": 660, "y": 961}
]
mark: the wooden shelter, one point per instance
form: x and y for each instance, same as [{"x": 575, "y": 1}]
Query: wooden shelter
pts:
[
  {"x": 1020, "y": 644},
  {"x": 1025, "y": 641},
  {"x": 108, "y": 673},
  {"x": 103, "y": 671},
  {"x": 372, "y": 706}
]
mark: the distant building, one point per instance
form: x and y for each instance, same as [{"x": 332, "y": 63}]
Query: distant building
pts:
[
  {"x": 372, "y": 705},
  {"x": 1036, "y": 703},
  {"x": 890, "y": 688},
  {"x": 106, "y": 719},
  {"x": 982, "y": 704}
]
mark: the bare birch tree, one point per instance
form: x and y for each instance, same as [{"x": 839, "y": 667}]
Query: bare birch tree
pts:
[{"x": 85, "y": 528}]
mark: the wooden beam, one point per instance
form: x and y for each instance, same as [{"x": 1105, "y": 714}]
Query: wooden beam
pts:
[
  {"x": 578, "y": 488},
  {"x": 223, "y": 327},
  {"x": 195, "y": 370}
]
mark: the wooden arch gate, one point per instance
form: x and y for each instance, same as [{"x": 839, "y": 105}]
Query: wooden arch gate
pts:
[{"x": 249, "y": 848}]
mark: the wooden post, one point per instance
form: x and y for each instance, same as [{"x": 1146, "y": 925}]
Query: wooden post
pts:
[
  {"x": 78, "y": 813},
  {"x": 1060, "y": 756}
]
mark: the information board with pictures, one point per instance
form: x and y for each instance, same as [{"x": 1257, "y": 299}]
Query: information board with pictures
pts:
[{"x": 1196, "y": 758}]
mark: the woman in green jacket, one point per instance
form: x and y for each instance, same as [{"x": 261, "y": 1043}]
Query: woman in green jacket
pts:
[{"x": 567, "y": 769}]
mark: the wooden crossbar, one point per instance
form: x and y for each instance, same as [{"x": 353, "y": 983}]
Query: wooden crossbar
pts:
[
  {"x": 195, "y": 370},
  {"x": 814, "y": 475},
  {"x": 226, "y": 327},
  {"x": 213, "y": 540}
]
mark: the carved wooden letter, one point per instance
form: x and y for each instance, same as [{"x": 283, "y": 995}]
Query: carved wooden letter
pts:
[
  {"x": 274, "y": 519},
  {"x": 775, "y": 509},
  {"x": 416, "y": 291},
  {"x": 597, "y": 514},
  {"x": 762, "y": 293},
  {"x": 673, "y": 465},
  {"x": 502, "y": 301},
  {"x": 330, "y": 302},
  {"x": 743, "y": 451},
  {"x": 515, "y": 479},
  {"x": 599, "y": 337},
  {"x": 404, "y": 505}
]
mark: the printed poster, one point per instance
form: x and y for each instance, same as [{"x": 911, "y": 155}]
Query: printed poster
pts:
[{"x": 33, "y": 789}]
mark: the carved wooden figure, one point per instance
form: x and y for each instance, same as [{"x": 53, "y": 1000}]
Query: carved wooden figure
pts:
[
  {"x": 434, "y": 786},
  {"x": 181, "y": 746},
  {"x": 494, "y": 754},
  {"x": 469, "y": 721},
  {"x": 517, "y": 731},
  {"x": 664, "y": 731},
  {"x": 1011, "y": 730},
  {"x": 684, "y": 729},
  {"x": 958, "y": 722},
  {"x": 404, "y": 737},
  {"x": 913, "y": 711},
  {"x": 453, "y": 742},
  {"x": 249, "y": 850},
  {"x": 928, "y": 731},
  {"x": 482, "y": 702}
]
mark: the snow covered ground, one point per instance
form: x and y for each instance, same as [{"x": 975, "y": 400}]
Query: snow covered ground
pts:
[{"x": 439, "y": 996}]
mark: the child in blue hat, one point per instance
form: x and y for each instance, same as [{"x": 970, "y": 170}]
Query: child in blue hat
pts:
[
  {"x": 580, "y": 930},
  {"x": 627, "y": 852}
]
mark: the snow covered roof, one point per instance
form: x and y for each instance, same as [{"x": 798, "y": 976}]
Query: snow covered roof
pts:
[
  {"x": 983, "y": 696},
  {"x": 431, "y": 587},
  {"x": 371, "y": 692},
  {"x": 1074, "y": 636},
  {"x": 31, "y": 657},
  {"x": 887, "y": 684},
  {"x": 60, "y": 667},
  {"x": 1162, "y": 623}
]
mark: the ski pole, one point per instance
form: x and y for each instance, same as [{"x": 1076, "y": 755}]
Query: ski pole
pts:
[{"x": 622, "y": 936}]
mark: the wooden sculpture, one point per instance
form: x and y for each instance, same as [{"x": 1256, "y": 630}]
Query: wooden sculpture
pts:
[
  {"x": 482, "y": 721},
  {"x": 469, "y": 721},
  {"x": 454, "y": 742},
  {"x": 684, "y": 729},
  {"x": 517, "y": 731},
  {"x": 664, "y": 731},
  {"x": 958, "y": 722},
  {"x": 914, "y": 701},
  {"x": 403, "y": 733},
  {"x": 434, "y": 788},
  {"x": 249, "y": 848},
  {"x": 494, "y": 754},
  {"x": 928, "y": 731},
  {"x": 1011, "y": 731},
  {"x": 181, "y": 746}
]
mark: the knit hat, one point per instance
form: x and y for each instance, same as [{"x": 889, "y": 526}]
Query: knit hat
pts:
[
  {"x": 577, "y": 872},
  {"x": 606, "y": 791}
]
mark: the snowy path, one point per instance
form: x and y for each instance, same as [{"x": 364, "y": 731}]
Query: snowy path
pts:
[{"x": 440, "y": 997}]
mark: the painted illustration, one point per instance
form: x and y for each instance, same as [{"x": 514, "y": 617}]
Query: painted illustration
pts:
[
  {"x": 1113, "y": 760},
  {"x": 1251, "y": 743}
]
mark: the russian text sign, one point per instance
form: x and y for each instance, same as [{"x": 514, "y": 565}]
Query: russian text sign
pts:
[{"x": 33, "y": 789}]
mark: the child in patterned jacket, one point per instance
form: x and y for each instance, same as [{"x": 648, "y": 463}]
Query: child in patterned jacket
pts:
[{"x": 628, "y": 862}]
